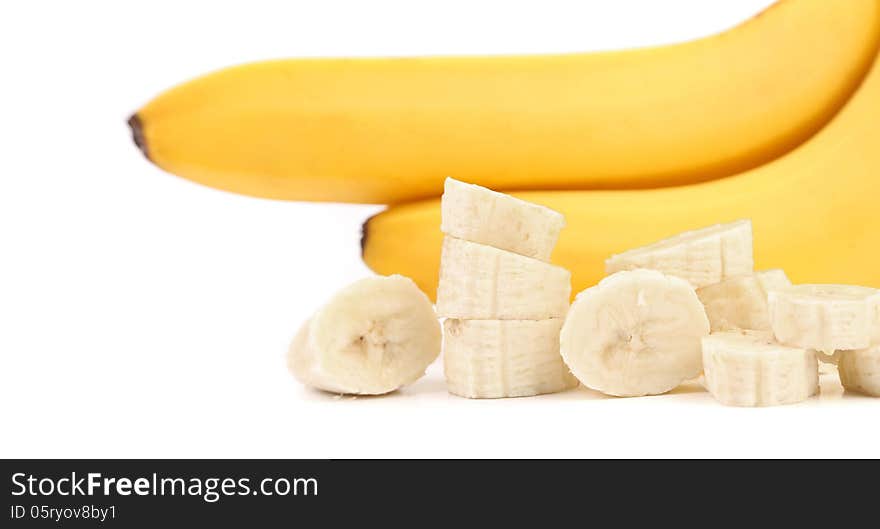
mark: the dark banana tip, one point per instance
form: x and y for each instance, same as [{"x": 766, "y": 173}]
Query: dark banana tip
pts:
[
  {"x": 365, "y": 231},
  {"x": 137, "y": 134}
]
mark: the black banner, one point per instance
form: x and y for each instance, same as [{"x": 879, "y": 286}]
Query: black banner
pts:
[{"x": 155, "y": 493}]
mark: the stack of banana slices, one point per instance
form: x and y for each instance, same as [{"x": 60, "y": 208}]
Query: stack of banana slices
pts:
[
  {"x": 665, "y": 313},
  {"x": 639, "y": 332},
  {"x": 841, "y": 323},
  {"x": 504, "y": 302}
]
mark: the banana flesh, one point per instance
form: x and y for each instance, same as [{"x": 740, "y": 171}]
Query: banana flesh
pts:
[
  {"x": 504, "y": 358},
  {"x": 749, "y": 368},
  {"x": 740, "y": 302},
  {"x": 702, "y": 257},
  {"x": 635, "y": 333},
  {"x": 480, "y": 215},
  {"x": 826, "y": 318},
  {"x": 372, "y": 337},
  {"x": 860, "y": 370},
  {"x": 482, "y": 282}
]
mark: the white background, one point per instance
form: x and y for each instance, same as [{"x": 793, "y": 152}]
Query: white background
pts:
[{"x": 142, "y": 315}]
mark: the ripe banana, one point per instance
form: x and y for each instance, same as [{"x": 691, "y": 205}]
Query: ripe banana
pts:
[
  {"x": 477, "y": 214},
  {"x": 504, "y": 358},
  {"x": 701, "y": 257},
  {"x": 814, "y": 212},
  {"x": 740, "y": 302},
  {"x": 482, "y": 282},
  {"x": 827, "y": 318},
  {"x": 390, "y": 130},
  {"x": 748, "y": 368},
  {"x": 372, "y": 337},
  {"x": 860, "y": 370},
  {"x": 635, "y": 333}
]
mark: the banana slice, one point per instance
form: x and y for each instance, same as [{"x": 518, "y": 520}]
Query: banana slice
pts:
[
  {"x": 635, "y": 333},
  {"x": 372, "y": 337},
  {"x": 484, "y": 283},
  {"x": 826, "y": 317},
  {"x": 487, "y": 359},
  {"x": 748, "y": 368},
  {"x": 477, "y": 214},
  {"x": 702, "y": 257},
  {"x": 740, "y": 302},
  {"x": 860, "y": 370}
]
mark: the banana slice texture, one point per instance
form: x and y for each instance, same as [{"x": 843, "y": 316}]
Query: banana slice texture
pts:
[
  {"x": 635, "y": 333},
  {"x": 749, "y": 368},
  {"x": 702, "y": 257},
  {"x": 740, "y": 302},
  {"x": 860, "y": 370},
  {"x": 483, "y": 282},
  {"x": 828, "y": 362},
  {"x": 487, "y": 359},
  {"x": 372, "y": 337},
  {"x": 826, "y": 318},
  {"x": 478, "y": 214}
]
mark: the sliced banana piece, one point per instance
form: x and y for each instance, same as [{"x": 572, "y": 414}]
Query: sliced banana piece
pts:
[
  {"x": 372, "y": 337},
  {"x": 740, "y": 302},
  {"x": 702, "y": 257},
  {"x": 749, "y": 368},
  {"x": 477, "y": 214},
  {"x": 860, "y": 370},
  {"x": 827, "y": 318},
  {"x": 482, "y": 282},
  {"x": 488, "y": 359},
  {"x": 635, "y": 333}
]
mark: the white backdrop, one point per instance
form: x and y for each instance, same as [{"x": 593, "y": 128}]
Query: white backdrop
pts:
[{"x": 143, "y": 315}]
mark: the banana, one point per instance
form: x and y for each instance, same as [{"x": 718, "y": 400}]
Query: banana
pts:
[
  {"x": 818, "y": 228},
  {"x": 827, "y": 318},
  {"x": 635, "y": 333},
  {"x": 390, "y": 130},
  {"x": 860, "y": 370},
  {"x": 740, "y": 302},
  {"x": 748, "y": 368},
  {"x": 482, "y": 282},
  {"x": 477, "y": 214},
  {"x": 701, "y": 257},
  {"x": 372, "y": 337},
  {"x": 490, "y": 359}
]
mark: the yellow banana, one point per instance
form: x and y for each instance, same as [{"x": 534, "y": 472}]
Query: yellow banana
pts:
[
  {"x": 815, "y": 212},
  {"x": 390, "y": 130}
]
